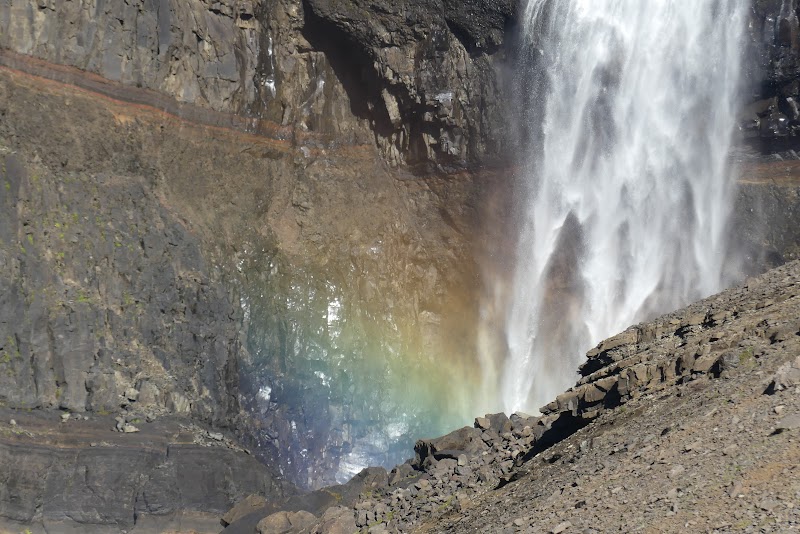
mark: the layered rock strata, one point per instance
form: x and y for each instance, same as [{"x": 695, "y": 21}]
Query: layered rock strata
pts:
[
  {"x": 144, "y": 223},
  {"x": 77, "y": 474},
  {"x": 421, "y": 78},
  {"x": 187, "y": 184}
]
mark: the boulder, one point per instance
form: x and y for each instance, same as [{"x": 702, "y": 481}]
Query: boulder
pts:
[
  {"x": 790, "y": 422},
  {"x": 286, "y": 522},
  {"x": 277, "y": 523},
  {"x": 248, "y": 505},
  {"x": 465, "y": 440},
  {"x": 336, "y": 520},
  {"x": 787, "y": 376}
]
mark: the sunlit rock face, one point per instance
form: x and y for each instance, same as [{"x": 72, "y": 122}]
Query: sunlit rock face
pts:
[
  {"x": 331, "y": 171},
  {"x": 329, "y": 195}
]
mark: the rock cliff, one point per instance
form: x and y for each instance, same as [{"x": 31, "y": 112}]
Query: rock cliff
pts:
[
  {"x": 201, "y": 217},
  {"x": 421, "y": 78},
  {"x": 266, "y": 219},
  {"x": 770, "y": 120}
]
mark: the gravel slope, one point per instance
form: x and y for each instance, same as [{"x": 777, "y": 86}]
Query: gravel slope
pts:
[{"x": 713, "y": 451}]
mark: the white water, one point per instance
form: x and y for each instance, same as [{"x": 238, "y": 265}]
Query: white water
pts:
[{"x": 627, "y": 184}]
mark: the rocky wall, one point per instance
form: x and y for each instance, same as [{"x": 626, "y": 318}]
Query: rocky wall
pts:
[
  {"x": 104, "y": 293},
  {"x": 292, "y": 292},
  {"x": 329, "y": 264},
  {"x": 268, "y": 211},
  {"x": 423, "y": 78},
  {"x": 769, "y": 118}
]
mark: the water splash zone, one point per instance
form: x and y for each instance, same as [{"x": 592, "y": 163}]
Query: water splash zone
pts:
[{"x": 629, "y": 111}]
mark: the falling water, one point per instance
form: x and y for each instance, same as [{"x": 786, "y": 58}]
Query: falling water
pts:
[{"x": 627, "y": 187}]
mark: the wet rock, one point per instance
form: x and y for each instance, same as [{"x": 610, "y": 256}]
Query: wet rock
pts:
[{"x": 772, "y": 63}]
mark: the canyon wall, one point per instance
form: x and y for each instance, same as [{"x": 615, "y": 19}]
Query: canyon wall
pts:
[
  {"x": 270, "y": 217},
  {"x": 259, "y": 215},
  {"x": 764, "y": 224}
]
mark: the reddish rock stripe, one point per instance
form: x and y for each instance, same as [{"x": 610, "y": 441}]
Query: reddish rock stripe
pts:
[{"x": 61, "y": 78}]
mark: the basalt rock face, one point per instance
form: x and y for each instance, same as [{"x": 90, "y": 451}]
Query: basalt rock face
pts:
[
  {"x": 766, "y": 214},
  {"x": 111, "y": 307},
  {"x": 772, "y": 69},
  {"x": 76, "y": 474},
  {"x": 104, "y": 292},
  {"x": 202, "y": 52},
  {"x": 422, "y": 76},
  {"x": 426, "y": 71},
  {"x": 248, "y": 215},
  {"x": 201, "y": 218},
  {"x": 766, "y": 209}
]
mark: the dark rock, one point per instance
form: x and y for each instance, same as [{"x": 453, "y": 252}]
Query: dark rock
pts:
[
  {"x": 448, "y": 454},
  {"x": 401, "y": 474},
  {"x": 481, "y": 25},
  {"x": 418, "y": 64},
  {"x": 500, "y": 423},
  {"x": 465, "y": 440},
  {"x": 771, "y": 69},
  {"x": 101, "y": 479}
]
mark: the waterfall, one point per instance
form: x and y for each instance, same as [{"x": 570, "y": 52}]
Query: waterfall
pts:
[{"x": 629, "y": 109}]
